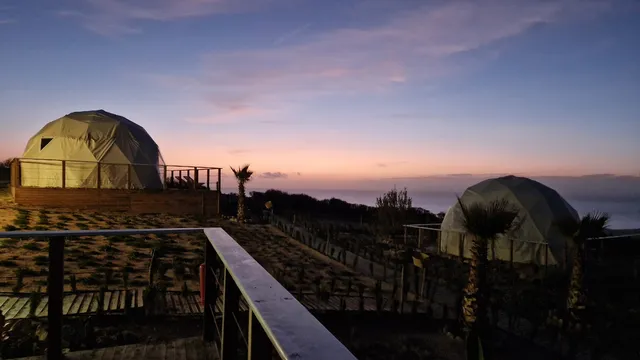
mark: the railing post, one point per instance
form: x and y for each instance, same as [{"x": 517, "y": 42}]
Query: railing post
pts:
[
  {"x": 259, "y": 347},
  {"x": 210, "y": 293},
  {"x": 99, "y": 177},
  {"x": 231, "y": 298},
  {"x": 56, "y": 294},
  {"x": 164, "y": 178},
  {"x": 208, "y": 179},
  {"x": 195, "y": 178},
  {"x": 64, "y": 174},
  {"x": 129, "y": 176}
]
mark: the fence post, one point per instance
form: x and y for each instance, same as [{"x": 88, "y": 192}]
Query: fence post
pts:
[
  {"x": 195, "y": 178},
  {"x": 420, "y": 238},
  {"x": 210, "y": 293},
  {"x": 164, "y": 177},
  {"x": 64, "y": 174},
  {"x": 129, "y": 183},
  {"x": 511, "y": 251},
  {"x": 99, "y": 177},
  {"x": 231, "y": 299},
  {"x": 546, "y": 259},
  {"x": 259, "y": 346},
  {"x": 55, "y": 289}
]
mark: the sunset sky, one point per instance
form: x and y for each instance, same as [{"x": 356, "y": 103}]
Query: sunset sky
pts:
[{"x": 322, "y": 92}]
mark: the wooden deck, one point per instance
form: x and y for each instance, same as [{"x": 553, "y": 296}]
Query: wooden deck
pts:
[
  {"x": 181, "y": 349},
  {"x": 176, "y": 303},
  {"x": 86, "y": 303}
]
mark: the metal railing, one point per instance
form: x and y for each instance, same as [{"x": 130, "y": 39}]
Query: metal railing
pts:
[{"x": 277, "y": 323}]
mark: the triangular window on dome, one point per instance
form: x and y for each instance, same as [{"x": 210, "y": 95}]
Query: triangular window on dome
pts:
[{"x": 44, "y": 142}]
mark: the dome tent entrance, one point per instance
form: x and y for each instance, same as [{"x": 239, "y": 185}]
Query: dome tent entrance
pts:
[
  {"x": 536, "y": 239},
  {"x": 100, "y": 149}
]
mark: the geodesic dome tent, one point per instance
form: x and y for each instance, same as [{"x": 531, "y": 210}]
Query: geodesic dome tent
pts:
[
  {"x": 101, "y": 150},
  {"x": 536, "y": 239}
]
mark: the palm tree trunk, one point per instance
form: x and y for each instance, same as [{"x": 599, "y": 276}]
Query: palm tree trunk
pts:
[
  {"x": 474, "y": 302},
  {"x": 576, "y": 298},
  {"x": 241, "y": 194}
]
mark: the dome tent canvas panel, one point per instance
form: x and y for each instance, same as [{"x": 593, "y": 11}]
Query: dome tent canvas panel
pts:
[
  {"x": 536, "y": 239},
  {"x": 86, "y": 139}
]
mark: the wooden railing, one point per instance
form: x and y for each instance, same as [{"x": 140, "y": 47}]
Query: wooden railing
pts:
[
  {"x": 277, "y": 324},
  {"x": 63, "y": 174}
]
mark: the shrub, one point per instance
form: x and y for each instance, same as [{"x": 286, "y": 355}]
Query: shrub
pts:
[{"x": 33, "y": 246}]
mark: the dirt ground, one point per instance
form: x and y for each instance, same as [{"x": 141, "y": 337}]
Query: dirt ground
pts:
[{"x": 95, "y": 261}]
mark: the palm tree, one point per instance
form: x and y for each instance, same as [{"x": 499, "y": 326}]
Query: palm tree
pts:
[
  {"x": 484, "y": 223},
  {"x": 243, "y": 175},
  {"x": 591, "y": 225}
]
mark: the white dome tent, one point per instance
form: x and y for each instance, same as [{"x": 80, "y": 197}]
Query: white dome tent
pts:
[
  {"x": 100, "y": 149},
  {"x": 536, "y": 240}
]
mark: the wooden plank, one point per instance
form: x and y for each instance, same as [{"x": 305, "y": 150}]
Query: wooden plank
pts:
[
  {"x": 170, "y": 306},
  {"x": 18, "y": 307},
  {"x": 41, "y": 310},
  {"x": 140, "y": 298},
  {"x": 114, "y": 302},
  {"x": 3, "y": 299},
  {"x": 67, "y": 302},
  {"x": 87, "y": 302},
  {"x": 75, "y": 307},
  {"x": 123, "y": 297},
  {"x": 107, "y": 299},
  {"x": 9, "y": 304},
  {"x": 194, "y": 304},
  {"x": 93, "y": 307}
]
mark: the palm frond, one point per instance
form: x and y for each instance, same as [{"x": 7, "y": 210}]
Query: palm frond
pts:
[
  {"x": 592, "y": 225},
  {"x": 242, "y": 173},
  {"x": 487, "y": 221}
]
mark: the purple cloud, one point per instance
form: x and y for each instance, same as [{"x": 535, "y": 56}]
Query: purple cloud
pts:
[
  {"x": 274, "y": 175},
  {"x": 411, "y": 47},
  {"x": 118, "y": 17}
]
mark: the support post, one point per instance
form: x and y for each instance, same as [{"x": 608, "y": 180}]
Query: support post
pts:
[
  {"x": 259, "y": 347},
  {"x": 405, "y": 235},
  {"x": 99, "y": 182},
  {"x": 164, "y": 177},
  {"x": 218, "y": 190},
  {"x": 129, "y": 172},
  {"x": 208, "y": 179},
  {"x": 64, "y": 174},
  {"x": 511, "y": 252},
  {"x": 231, "y": 299},
  {"x": 210, "y": 293},
  {"x": 195, "y": 178},
  {"x": 55, "y": 289},
  {"x": 420, "y": 238}
]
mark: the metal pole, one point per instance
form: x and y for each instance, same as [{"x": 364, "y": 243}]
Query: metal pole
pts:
[{"x": 56, "y": 293}]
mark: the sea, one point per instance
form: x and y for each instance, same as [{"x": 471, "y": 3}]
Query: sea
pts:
[{"x": 625, "y": 214}]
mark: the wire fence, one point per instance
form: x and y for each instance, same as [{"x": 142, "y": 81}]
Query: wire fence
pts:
[
  {"x": 431, "y": 238},
  {"x": 46, "y": 173}
]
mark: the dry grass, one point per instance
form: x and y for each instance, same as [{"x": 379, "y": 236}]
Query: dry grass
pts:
[
  {"x": 93, "y": 259},
  {"x": 96, "y": 261}
]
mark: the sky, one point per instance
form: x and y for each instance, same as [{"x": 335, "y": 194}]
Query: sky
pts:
[{"x": 341, "y": 93}]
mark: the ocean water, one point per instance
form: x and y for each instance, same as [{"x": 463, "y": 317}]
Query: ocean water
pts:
[{"x": 625, "y": 214}]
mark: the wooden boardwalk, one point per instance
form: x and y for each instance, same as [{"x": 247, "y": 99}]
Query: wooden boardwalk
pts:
[
  {"x": 86, "y": 303},
  {"x": 181, "y": 349},
  {"x": 176, "y": 303}
]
